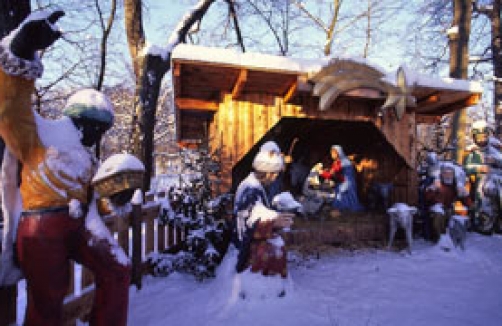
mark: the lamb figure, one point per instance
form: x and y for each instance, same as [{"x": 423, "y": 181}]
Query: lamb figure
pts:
[
  {"x": 285, "y": 202},
  {"x": 401, "y": 215},
  {"x": 457, "y": 228}
]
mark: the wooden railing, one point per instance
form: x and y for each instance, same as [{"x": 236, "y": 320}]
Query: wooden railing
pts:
[{"x": 138, "y": 234}]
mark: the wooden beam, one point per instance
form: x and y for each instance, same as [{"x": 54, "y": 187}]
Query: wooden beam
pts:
[
  {"x": 196, "y": 104},
  {"x": 369, "y": 93},
  {"x": 239, "y": 84},
  {"x": 177, "y": 79},
  {"x": 430, "y": 99},
  {"x": 429, "y": 119},
  {"x": 303, "y": 84},
  {"x": 438, "y": 109},
  {"x": 291, "y": 92},
  {"x": 473, "y": 99},
  {"x": 177, "y": 70}
]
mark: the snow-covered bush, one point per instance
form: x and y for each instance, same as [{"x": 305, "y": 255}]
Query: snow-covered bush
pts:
[{"x": 191, "y": 207}]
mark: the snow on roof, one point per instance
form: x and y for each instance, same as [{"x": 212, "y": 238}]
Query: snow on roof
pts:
[
  {"x": 118, "y": 163},
  {"x": 419, "y": 79},
  {"x": 254, "y": 60},
  {"x": 232, "y": 57}
]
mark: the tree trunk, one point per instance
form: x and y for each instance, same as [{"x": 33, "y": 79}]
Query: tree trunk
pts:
[
  {"x": 459, "y": 60},
  {"x": 497, "y": 64},
  {"x": 150, "y": 68}
]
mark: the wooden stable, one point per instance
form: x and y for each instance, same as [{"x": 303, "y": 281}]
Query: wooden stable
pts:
[{"x": 238, "y": 101}]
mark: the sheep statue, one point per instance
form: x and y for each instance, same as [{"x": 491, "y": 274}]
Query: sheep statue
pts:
[{"x": 401, "y": 215}]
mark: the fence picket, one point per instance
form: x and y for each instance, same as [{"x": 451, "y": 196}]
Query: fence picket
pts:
[
  {"x": 171, "y": 235},
  {"x": 161, "y": 237},
  {"x": 149, "y": 233}
]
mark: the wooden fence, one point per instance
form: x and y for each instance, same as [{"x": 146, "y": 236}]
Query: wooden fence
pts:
[{"x": 138, "y": 234}]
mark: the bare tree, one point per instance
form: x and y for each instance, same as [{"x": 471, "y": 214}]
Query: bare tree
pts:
[
  {"x": 493, "y": 52},
  {"x": 116, "y": 139},
  {"x": 88, "y": 30},
  {"x": 275, "y": 15},
  {"x": 430, "y": 49},
  {"x": 150, "y": 67},
  {"x": 368, "y": 30},
  {"x": 352, "y": 23},
  {"x": 329, "y": 29},
  {"x": 459, "y": 62},
  {"x": 447, "y": 26},
  {"x": 106, "y": 29}
]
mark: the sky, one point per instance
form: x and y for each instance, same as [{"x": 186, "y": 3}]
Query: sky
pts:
[{"x": 168, "y": 14}]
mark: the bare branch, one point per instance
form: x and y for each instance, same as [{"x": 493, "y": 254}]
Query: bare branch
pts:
[
  {"x": 329, "y": 34},
  {"x": 368, "y": 31},
  {"x": 271, "y": 28},
  {"x": 233, "y": 15},
  {"x": 316, "y": 20},
  {"x": 104, "y": 39}
]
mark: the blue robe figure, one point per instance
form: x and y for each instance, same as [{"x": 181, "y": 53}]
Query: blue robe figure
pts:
[
  {"x": 346, "y": 198},
  {"x": 261, "y": 258}
]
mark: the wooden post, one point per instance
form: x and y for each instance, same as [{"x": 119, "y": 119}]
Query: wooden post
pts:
[
  {"x": 179, "y": 234},
  {"x": 149, "y": 234},
  {"x": 161, "y": 237},
  {"x": 8, "y": 300},
  {"x": 136, "y": 245},
  {"x": 170, "y": 235}
]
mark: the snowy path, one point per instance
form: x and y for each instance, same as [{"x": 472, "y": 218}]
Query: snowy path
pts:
[{"x": 374, "y": 287}]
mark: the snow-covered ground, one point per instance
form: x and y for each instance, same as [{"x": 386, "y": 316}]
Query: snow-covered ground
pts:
[
  {"x": 340, "y": 288},
  {"x": 368, "y": 287}
]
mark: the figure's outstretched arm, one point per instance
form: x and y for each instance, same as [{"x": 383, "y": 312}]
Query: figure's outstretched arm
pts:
[{"x": 19, "y": 67}]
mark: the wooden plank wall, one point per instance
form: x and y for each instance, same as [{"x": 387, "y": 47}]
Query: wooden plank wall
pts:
[{"x": 239, "y": 125}]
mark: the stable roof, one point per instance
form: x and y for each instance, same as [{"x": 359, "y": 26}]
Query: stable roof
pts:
[{"x": 202, "y": 74}]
